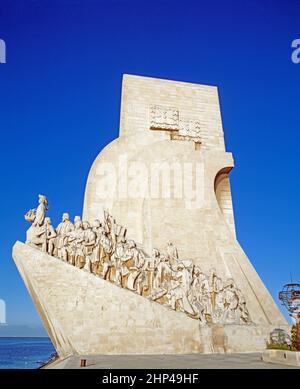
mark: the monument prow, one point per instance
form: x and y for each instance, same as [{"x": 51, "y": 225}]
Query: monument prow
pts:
[{"x": 86, "y": 315}]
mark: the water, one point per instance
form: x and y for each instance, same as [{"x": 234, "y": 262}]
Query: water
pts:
[{"x": 24, "y": 353}]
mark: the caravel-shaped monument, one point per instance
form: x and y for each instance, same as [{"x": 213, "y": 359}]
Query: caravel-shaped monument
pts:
[{"x": 154, "y": 266}]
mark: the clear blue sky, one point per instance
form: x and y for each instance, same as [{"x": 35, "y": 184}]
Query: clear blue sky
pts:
[{"x": 60, "y": 100}]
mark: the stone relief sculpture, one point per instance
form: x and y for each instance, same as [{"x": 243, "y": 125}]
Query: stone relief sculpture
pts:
[
  {"x": 168, "y": 119},
  {"x": 36, "y": 234},
  {"x": 103, "y": 249},
  {"x": 62, "y": 230},
  {"x": 164, "y": 118},
  {"x": 190, "y": 128}
]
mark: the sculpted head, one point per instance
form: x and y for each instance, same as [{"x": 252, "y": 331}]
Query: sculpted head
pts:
[
  {"x": 180, "y": 266},
  {"x": 213, "y": 271},
  {"x": 197, "y": 271},
  {"x": 77, "y": 224},
  {"x": 96, "y": 223},
  {"x": 85, "y": 225},
  {"x": 229, "y": 283},
  {"x": 47, "y": 220},
  {"x": 65, "y": 217},
  {"x": 43, "y": 199},
  {"x": 170, "y": 247},
  {"x": 164, "y": 258},
  {"x": 131, "y": 244},
  {"x": 155, "y": 253}
]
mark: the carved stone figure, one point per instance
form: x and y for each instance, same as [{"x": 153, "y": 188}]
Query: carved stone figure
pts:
[
  {"x": 106, "y": 250},
  {"x": 35, "y": 235},
  {"x": 195, "y": 297},
  {"x": 95, "y": 258},
  {"x": 63, "y": 230},
  {"x": 205, "y": 296},
  {"x": 231, "y": 302},
  {"x": 172, "y": 253},
  {"x": 109, "y": 224},
  {"x": 77, "y": 219},
  {"x": 137, "y": 278},
  {"x": 40, "y": 211},
  {"x": 75, "y": 246},
  {"x": 141, "y": 281},
  {"x": 50, "y": 236},
  {"x": 150, "y": 266},
  {"x": 89, "y": 242},
  {"x": 215, "y": 285},
  {"x": 178, "y": 294},
  {"x": 163, "y": 272},
  {"x": 242, "y": 309},
  {"x": 121, "y": 256}
]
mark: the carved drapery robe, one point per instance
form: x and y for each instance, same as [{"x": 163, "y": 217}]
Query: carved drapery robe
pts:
[{"x": 62, "y": 230}]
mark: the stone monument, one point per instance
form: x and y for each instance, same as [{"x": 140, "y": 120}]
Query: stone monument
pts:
[{"x": 154, "y": 265}]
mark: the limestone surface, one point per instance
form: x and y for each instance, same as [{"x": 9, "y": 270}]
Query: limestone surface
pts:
[
  {"x": 152, "y": 143},
  {"x": 87, "y": 315},
  {"x": 166, "y": 178}
]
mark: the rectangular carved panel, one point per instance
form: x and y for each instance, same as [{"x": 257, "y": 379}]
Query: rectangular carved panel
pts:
[
  {"x": 164, "y": 118},
  {"x": 189, "y": 128}
]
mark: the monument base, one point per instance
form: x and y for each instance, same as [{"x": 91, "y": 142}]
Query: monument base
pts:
[
  {"x": 285, "y": 357},
  {"x": 86, "y": 315}
]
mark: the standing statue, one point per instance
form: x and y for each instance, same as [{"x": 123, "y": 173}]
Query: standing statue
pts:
[
  {"x": 178, "y": 294},
  {"x": 172, "y": 253},
  {"x": 137, "y": 278},
  {"x": 95, "y": 258},
  {"x": 89, "y": 242},
  {"x": 63, "y": 230},
  {"x": 35, "y": 235},
  {"x": 194, "y": 295},
  {"x": 162, "y": 272},
  {"x": 215, "y": 286},
  {"x": 231, "y": 302},
  {"x": 75, "y": 248},
  {"x": 150, "y": 266},
  {"x": 106, "y": 251},
  {"x": 242, "y": 309},
  {"x": 40, "y": 211},
  {"x": 205, "y": 296},
  {"x": 109, "y": 225},
  {"x": 120, "y": 257},
  {"x": 50, "y": 236}
]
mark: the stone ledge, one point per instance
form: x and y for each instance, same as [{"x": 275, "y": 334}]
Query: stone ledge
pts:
[{"x": 291, "y": 358}]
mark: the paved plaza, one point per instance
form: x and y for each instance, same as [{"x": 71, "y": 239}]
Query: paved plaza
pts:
[{"x": 190, "y": 361}]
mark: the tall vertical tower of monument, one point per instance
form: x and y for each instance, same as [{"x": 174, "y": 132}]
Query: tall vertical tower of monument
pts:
[{"x": 176, "y": 125}]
